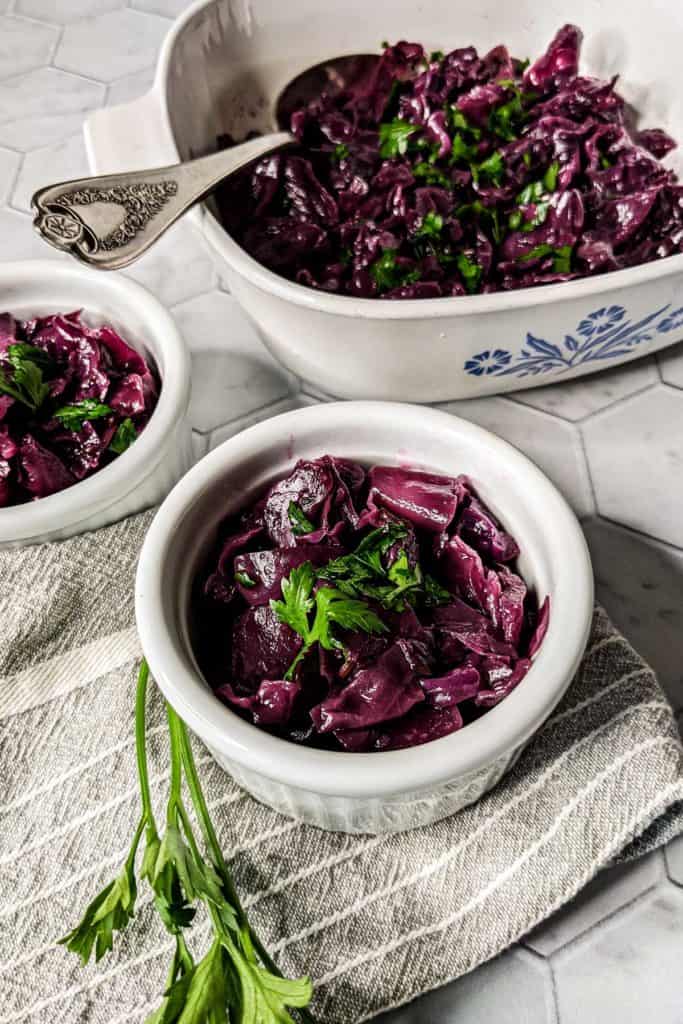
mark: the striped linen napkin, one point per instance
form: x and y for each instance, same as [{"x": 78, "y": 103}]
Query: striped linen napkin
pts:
[{"x": 374, "y": 920}]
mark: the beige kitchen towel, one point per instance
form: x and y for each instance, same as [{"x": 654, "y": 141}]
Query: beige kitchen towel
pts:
[{"x": 374, "y": 920}]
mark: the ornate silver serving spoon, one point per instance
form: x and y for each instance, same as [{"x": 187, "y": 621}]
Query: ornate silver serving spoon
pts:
[{"x": 110, "y": 220}]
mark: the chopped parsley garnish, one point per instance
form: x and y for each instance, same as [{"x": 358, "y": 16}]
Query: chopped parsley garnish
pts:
[
  {"x": 550, "y": 176},
  {"x": 74, "y": 416},
  {"x": 431, "y": 225},
  {"x": 341, "y": 151},
  {"x": 489, "y": 213},
  {"x": 434, "y": 593},
  {"x": 431, "y": 175},
  {"x": 459, "y": 121},
  {"x": 562, "y": 256},
  {"x": 124, "y": 436},
  {"x": 245, "y": 580},
  {"x": 394, "y": 136},
  {"x": 26, "y": 383},
  {"x": 492, "y": 168},
  {"x": 314, "y": 616},
  {"x": 527, "y": 158},
  {"x": 436, "y": 55},
  {"x": 461, "y": 150},
  {"x": 470, "y": 271},
  {"x": 387, "y": 274},
  {"x": 298, "y": 520}
]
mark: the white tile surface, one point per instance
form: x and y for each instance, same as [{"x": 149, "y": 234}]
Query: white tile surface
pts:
[
  {"x": 24, "y": 45},
  {"x": 579, "y": 398},
  {"x": 177, "y": 268},
  {"x": 60, "y": 12},
  {"x": 515, "y": 988},
  {"x": 168, "y": 8},
  {"x": 671, "y": 366},
  {"x": 9, "y": 166},
  {"x": 609, "y": 892},
  {"x": 238, "y": 374},
  {"x": 229, "y": 430},
  {"x": 19, "y": 240},
  {"x": 674, "y": 860},
  {"x": 130, "y": 87},
  {"x": 635, "y": 451},
  {"x": 640, "y": 582},
  {"x": 59, "y": 162},
  {"x": 553, "y": 445},
  {"x": 111, "y": 45},
  {"x": 45, "y": 106},
  {"x": 629, "y": 970}
]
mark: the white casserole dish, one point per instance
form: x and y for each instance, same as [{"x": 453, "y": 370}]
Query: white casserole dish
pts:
[
  {"x": 221, "y": 68},
  {"x": 142, "y": 475},
  {"x": 377, "y": 792}
]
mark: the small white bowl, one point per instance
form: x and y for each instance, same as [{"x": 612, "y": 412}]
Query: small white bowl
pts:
[
  {"x": 375, "y": 792},
  {"x": 143, "y": 475}
]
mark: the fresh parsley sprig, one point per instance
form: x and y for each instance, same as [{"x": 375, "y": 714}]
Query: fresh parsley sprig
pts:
[
  {"x": 236, "y": 980},
  {"x": 314, "y": 615}
]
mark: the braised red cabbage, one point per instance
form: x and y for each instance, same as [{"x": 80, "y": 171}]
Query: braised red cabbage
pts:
[
  {"x": 365, "y": 610},
  {"x": 72, "y": 398},
  {"x": 450, "y": 174}
]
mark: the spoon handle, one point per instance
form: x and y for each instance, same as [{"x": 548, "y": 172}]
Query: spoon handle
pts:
[{"x": 110, "y": 220}]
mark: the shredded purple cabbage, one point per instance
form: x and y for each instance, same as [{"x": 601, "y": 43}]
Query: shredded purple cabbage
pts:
[
  {"x": 72, "y": 398},
  {"x": 431, "y": 624},
  {"x": 438, "y": 175}
]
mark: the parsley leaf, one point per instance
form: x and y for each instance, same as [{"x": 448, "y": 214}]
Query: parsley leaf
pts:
[
  {"x": 296, "y": 603},
  {"x": 341, "y": 151},
  {"x": 459, "y": 121},
  {"x": 124, "y": 436},
  {"x": 462, "y": 150},
  {"x": 550, "y": 176},
  {"x": 388, "y": 275},
  {"x": 562, "y": 256},
  {"x": 470, "y": 271},
  {"x": 332, "y": 606},
  {"x": 393, "y": 137},
  {"x": 110, "y": 911},
  {"x": 431, "y": 226},
  {"x": 245, "y": 580},
  {"x": 74, "y": 416},
  {"x": 492, "y": 168},
  {"x": 298, "y": 520},
  {"x": 490, "y": 213},
  {"x": 436, "y": 55},
  {"x": 431, "y": 174},
  {"x": 26, "y": 384},
  {"x": 434, "y": 593}
]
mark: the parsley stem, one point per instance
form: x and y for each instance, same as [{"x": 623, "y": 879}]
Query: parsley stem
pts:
[
  {"x": 175, "y": 796},
  {"x": 130, "y": 859},
  {"x": 220, "y": 863},
  {"x": 141, "y": 747}
]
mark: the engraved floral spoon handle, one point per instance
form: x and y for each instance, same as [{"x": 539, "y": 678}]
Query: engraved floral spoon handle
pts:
[{"x": 109, "y": 221}]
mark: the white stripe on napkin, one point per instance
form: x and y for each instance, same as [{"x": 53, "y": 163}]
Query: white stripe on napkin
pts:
[{"x": 66, "y": 672}]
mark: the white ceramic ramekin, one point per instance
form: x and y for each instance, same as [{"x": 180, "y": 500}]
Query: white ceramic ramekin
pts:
[
  {"x": 142, "y": 475},
  {"x": 220, "y": 70},
  {"x": 377, "y": 792}
]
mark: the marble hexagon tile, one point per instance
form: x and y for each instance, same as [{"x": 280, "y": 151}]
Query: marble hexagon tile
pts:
[{"x": 635, "y": 451}]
